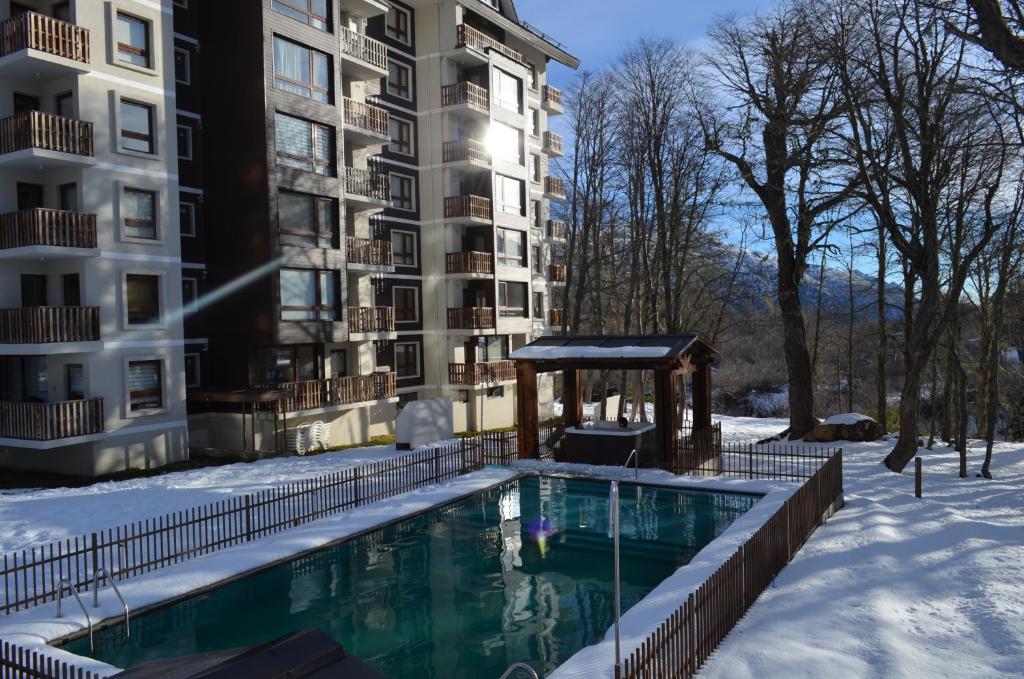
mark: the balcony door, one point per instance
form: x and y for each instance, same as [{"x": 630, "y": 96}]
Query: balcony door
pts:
[
  {"x": 30, "y": 196},
  {"x": 23, "y": 378},
  {"x": 33, "y": 289},
  {"x": 71, "y": 289},
  {"x": 23, "y": 103}
]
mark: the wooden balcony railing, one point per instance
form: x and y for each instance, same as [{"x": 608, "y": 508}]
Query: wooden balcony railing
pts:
[
  {"x": 364, "y": 48},
  {"x": 469, "y": 262},
  {"x": 467, "y": 36},
  {"x": 34, "y": 129},
  {"x": 556, "y": 229},
  {"x": 471, "y": 318},
  {"x": 481, "y": 373},
  {"x": 29, "y": 30},
  {"x": 371, "y": 319},
  {"x": 370, "y": 183},
  {"x": 552, "y": 95},
  {"x": 42, "y": 226},
  {"x": 555, "y": 317},
  {"x": 369, "y": 251},
  {"x": 468, "y": 149},
  {"x": 466, "y": 93},
  {"x": 553, "y": 143},
  {"x": 366, "y": 117},
  {"x": 310, "y": 394},
  {"x": 556, "y": 273},
  {"x": 49, "y": 421},
  {"x": 476, "y": 207},
  {"x": 39, "y": 324},
  {"x": 554, "y": 186}
]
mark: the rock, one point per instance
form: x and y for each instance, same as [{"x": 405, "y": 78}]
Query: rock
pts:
[{"x": 847, "y": 427}]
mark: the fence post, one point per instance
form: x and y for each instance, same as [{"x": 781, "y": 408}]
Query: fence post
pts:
[
  {"x": 95, "y": 555},
  {"x": 248, "y": 519},
  {"x": 918, "y": 463},
  {"x": 437, "y": 463},
  {"x": 356, "y": 494},
  {"x": 750, "y": 460}
]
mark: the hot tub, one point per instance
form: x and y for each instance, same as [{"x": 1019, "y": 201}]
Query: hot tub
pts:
[{"x": 609, "y": 444}]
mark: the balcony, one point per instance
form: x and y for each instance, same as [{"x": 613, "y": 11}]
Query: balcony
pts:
[
  {"x": 371, "y": 322},
  {"x": 556, "y": 273},
  {"x": 42, "y": 233},
  {"x": 476, "y": 209},
  {"x": 471, "y": 318},
  {"x": 37, "y": 325},
  {"x": 555, "y": 317},
  {"x": 469, "y": 262},
  {"x": 551, "y": 100},
  {"x": 365, "y": 8},
  {"x": 364, "y": 57},
  {"x": 366, "y": 189},
  {"x": 34, "y": 140},
  {"x": 40, "y": 47},
  {"x": 468, "y": 153},
  {"x": 472, "y": 46},
  {"x": 365, "y": 124},
  {"x": 51, "y": 421},
  {"x": 367, "y": 254},
  {"x": 481, "y": 373},
  {"x": 556, "y": 230},
  {"x": 337, "y": 391},
  {"x": 553, "y": 144},
  {"x": 466, "y": 96},
  {"x": 554, "y": 188}
]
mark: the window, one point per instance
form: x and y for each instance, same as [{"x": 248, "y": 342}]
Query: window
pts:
[
  {"x": 137, "y": 127},
  {"x": 494, "y": 348},
  {"x": 142, "y": 293},
  {"x": 505, "y": 143},
  {"x": 145, "y": 385},
  {"x": 531, "y": 75},
  {"x": 180, "y": 3},
  {"x": 189, "y": 292},
  {"x": 64, "y": 104},
  {"x": 186, "y": 218},
  {"x": 511, "y": 299},
  {"x": 401, "y": 135},
  {"x": 405, "y": 399},
  {"x": 185, "y": 142},
  {"x": 538, "y": 305},
  {"x": 308, "y": 295},
  {"x": 302, "y": 71},
  {"x": 535, "y": 213},
  {"x": 192, "y": 376},
  {"x": 508, "y": 194},
  {"x": 403, "y": 190},
  {"x": 538, "y": 268},
  {"x": 133, "y": 40},
  {"x": 138, "y": 213},
  {"x": 511, "y": 247},
  {"x": 406, "y": 304},
  {"x": 407, "y": 359},
  {"x": 496, "y": 392},
  {"x": 399, "y": 77},
  {"x": 506, "y": 90},
  {"x": 338, "y": 361},
  {"x": 74, "y": 381},
  {"x": 182, "y": 66},
  {"x": 397, "y": 26},
  {"x": 533, "y": 124},
  {"x": 68, "y": 197},
  {"x": 304, "y": 219},
  {"x": 534, "y": 168},
  {"x": 316, "y": 13},
  {"x": 304, "y": 145},
  {"x": 403, "y": 246}
]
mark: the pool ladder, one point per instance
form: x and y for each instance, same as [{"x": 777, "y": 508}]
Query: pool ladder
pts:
[
  {"x": 636, "y": 464},
  {"x": 96, "y": 575},
  {"x": 519, "y": 666}
]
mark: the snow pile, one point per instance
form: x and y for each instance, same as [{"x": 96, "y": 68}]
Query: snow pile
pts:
[
  {"x": 768, "y": 403},
  {"x": 846, "y": 419}
]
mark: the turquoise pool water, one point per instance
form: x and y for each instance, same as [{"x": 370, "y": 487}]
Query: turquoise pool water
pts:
[{"x": 521, "y": 572}]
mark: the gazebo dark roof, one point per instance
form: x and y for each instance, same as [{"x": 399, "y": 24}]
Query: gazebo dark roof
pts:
[{"x": 619, "y": 351}]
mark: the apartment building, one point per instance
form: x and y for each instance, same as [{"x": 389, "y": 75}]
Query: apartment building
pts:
[{"x": 91, "y": 361}]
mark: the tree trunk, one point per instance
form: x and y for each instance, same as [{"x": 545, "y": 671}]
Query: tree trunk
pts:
[
  {"x": 961, "y": 415},
  {"x": 798, "y": 359},
  {"x": 881, "y": 395},
  {"x": 932, "y": 406},
  {"x": 910, "y": 395}
]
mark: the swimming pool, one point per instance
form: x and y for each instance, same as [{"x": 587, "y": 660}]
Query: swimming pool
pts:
[{"x": 519, "y": 572}]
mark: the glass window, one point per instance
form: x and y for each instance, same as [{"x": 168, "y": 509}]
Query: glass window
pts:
[
  {"x": 399, "y": 77},
  {"x": 186, "y": 217},
  {"x": 511, "y": 299},
  {"x": 192, "y": 376},
  {"x": 304, "y": 145},
  {"x": 74, "y": 381},
  {"x": 142, "y": 293},
  {"x": 189, "y": 292},
  {"x": 182, "y": 66},
  {"x": 401, "y": 136},
  {"x": 301, "y": 71},
  {"x": 508, "y": 194},
  {"x": 494, "y": 348},
  {"x": 507, "y": 90},
  {"x": 64, "y": 104},
  {"x": 145, "y": 386},
  {"x": 304, "y": 219},
  {"x": 505, "y": 143},
  {"x": 137, "y": 127},
  {"x": 185, "y": 142},
  {"x": 68, "y": 197},
  {"x": 138, "y": 212},
  {"x": 511, "y": 247},
  {"x": 533, "y": 122},
  {"x": 537, "y": 267},
  {"x": 402, "y": 192},
  {"x": 308, "y": 295},
  {"x": 407, "y": 359},
  {"x": 538, "y": 305},
  {"x": 534, "y": 168},
  {"x": 406, "y": 304},
  {"x": 535, "y": 213},
  {"x": 316, "y": 13},
  {"x": 403, "y": 245},
  {"x": 133, "y": 40},
  {"x": 397, "y": 26}
]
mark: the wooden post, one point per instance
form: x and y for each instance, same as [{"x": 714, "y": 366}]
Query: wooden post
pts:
[
  {"x": 526, "y": 407},
  {"x": 701, "y": 384},
  {"x": 572, "y": 397},
  {"x": 917, "y": 476},
  {"x": 665, "y": 414}
]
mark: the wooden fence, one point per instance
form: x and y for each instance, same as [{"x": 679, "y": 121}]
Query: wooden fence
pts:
[
  {"x": 34, "y": 129},
  {"x": 368, "y": 251},
  {"x": 50, "y": 421},
  {"x": 475, "y": 207},
  {"x": 31, "y": 30},
  {"x": 44, "y": 324},
  {"x": 43, "y": 226}
]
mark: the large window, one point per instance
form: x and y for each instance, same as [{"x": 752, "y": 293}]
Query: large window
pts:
[
  {"x": 511, "y": 247},
  {"x": 399, "y": 80},
  {"x": 397, "y": 26},
  {"x": 186, "y": 217},
  {"x": 505, "y": 143},
  {"x": 538, "y": 305},
  {"x": 133, "y": 40},
  {"x": 407, "y": 359},
  {"x": 403, "y": 191},
  {"x": 506, "y": 90},
  {"x": 535, "y": 214},
  {"x": 304, "y": 145},
  {"x": 185, "y": 142},
  {"x": 182, "y": 66},
  {"x": 538, "y": 266},
  {"x": 304, "y": 219},
  {"x": 137, "y": 127},
  {"x": 302, "y": 71},
  {"x": 401, "y": 136},
  {"x": 534, "y": 168},
  {"x": 403, "y": 246},
  {"x": 142, "y": 297},
  {"x": 308, "y": 295},
  {"x": 493, "y": 348},
  {"x": 145, "y": 385},
  {"x": 508, "y": 195},
  {"x": 138, "y": 213},
  {"x": 189, "y": 292},
  {"x": 511, "y": 299},
  {"x": 406, "y": 304},
  {"x": 316, "y": 13}
]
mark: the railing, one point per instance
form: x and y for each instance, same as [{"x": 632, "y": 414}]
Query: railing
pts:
[
  {"x": 38, "y": 324},
  {"x": 364, "y": 48},
  {"x": 554, "y": 186},
  {"x": 467, "y": 36},
  {"x": 469, "y": 149},
  {"x": 34, "y": 129},
  {"x": 480, "y": 373},
  {"x": 469, "y": 262},
  {"x": 470, "y": 318},
  {"x": 29, "y": 30},
  {"x": 369, "y": 251},
  {"x": 556, "y": 273},
  {"x": 42, "y": 226},
  {"x": 552, "y": 94},
  {"x": 698, "y": 450},
  {"x": 555, "y": 317},
  {"x": 553, "y": 143},
  {"x": 556, "y": 229},
  {"x": 366, "y": 117},
  {"x": 370, "y": 183},
  {"x": 50, "y": 421},
  {"x": 476, "y": 207},
  {"x": 466, "y": 93},
  {"x": 25, "y": 663},
  {"x": 371, "y": 319},
  {"x": 334, "y": 391}
]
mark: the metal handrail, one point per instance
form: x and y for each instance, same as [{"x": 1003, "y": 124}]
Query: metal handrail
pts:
[
  {"x": 519, "y": 666},
  {"x": 636, "y": 463},
  {"x": 60, "y": 598},
  {"x": 96, "y": 595},
  {"x": 613, "y": 532}
]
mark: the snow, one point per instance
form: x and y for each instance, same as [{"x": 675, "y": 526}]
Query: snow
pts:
[
  {"x": 847, "y": 418},
  {"x": 560, "y": 352}
]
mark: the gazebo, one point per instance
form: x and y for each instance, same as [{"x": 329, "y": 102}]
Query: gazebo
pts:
[{"x": 666, "y": 356}]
